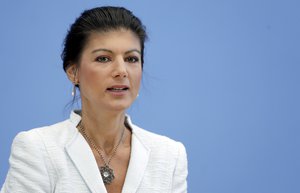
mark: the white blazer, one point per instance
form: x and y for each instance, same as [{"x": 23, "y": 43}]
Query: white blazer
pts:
[{"x": 57, "y": 159}]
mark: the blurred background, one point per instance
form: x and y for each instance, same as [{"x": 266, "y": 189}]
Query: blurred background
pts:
[{"x": 220, "y": 76}]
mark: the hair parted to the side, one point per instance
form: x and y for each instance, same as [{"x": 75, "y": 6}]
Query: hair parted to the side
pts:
[{"x": 100, "y": 19}]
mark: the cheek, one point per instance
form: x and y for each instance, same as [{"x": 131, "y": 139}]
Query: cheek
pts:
[
  {"x": 138, "y": 78},
  {"x": 89, "y": 75}
]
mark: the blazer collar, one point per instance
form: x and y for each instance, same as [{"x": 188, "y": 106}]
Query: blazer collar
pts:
[
  {"x": 83, "y": 159},
  {"x": 82, "y": 156},
  {"x": 138, "y": 161}
]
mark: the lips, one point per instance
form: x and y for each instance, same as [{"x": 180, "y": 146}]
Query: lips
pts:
[{"x": 118, "y": 88}]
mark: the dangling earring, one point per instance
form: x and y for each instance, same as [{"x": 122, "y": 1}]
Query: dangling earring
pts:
[{"x": 74, "y": 88}]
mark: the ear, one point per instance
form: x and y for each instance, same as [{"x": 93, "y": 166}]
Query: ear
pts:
[{"x": 72, "y": 73}]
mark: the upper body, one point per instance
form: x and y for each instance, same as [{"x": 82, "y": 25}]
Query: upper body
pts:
[
  {"x": 99, "y": 150},
  {"x": 58, "y": 159}
]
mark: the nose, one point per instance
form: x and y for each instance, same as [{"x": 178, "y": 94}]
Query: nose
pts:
[{"x": 120, "y": 70}]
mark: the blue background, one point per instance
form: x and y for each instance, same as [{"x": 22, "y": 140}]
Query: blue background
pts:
[{"x": 220, "y": 76}]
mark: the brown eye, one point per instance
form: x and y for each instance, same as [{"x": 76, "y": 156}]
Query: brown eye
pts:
[
  {"x": 102, "y": 59},
  {"x": 132, "y": 59}
]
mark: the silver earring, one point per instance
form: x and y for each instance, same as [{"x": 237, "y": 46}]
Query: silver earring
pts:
[{"x": 74, "y": 90}]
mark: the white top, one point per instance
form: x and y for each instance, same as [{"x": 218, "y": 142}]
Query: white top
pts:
[{"x": 57, "y": 159}]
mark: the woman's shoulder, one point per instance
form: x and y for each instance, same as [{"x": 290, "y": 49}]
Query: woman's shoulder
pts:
[
  {"x": 167, "y": 157},
  {"x": 157, "y": 141},
  {"x": 146, "y": 134},
  {"x": 56, "y": 134}
]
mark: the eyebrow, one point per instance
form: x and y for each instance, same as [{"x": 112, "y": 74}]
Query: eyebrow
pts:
[
  {"x": 106, "y": 50},
  {"x": 133, "y": 50}
]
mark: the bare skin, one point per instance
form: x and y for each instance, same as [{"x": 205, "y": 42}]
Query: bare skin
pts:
[
  {"x": 109, "y": 75},
  {"x": 119, "y": 164}
]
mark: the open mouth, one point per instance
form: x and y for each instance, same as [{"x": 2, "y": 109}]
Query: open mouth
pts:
[{"x": 118, "y": 89}]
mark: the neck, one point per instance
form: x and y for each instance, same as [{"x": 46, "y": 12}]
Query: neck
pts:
[{"x": 105, "y": 128}]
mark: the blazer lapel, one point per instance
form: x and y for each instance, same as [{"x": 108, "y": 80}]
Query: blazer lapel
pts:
[
  {"x": 82, "y": 157},
  {"x": 137, "y": 164}
]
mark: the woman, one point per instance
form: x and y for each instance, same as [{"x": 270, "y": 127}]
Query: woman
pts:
[{"x": 99, "y": 149}]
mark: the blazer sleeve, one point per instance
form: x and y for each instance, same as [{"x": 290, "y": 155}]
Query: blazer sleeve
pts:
[
  {"x": 179, "y": 184},
  {"x": 27, "y": 171}
]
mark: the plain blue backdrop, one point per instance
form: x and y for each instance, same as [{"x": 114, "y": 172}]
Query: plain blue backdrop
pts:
[{"x": 220, "y": 76}]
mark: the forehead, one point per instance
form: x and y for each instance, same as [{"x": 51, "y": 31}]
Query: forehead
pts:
[{"x": 115, "y": 40}]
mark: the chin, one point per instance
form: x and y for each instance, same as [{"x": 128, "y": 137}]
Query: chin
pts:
[{"x": 120, "y": 107}]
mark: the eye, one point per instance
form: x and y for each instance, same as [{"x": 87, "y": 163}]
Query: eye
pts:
[
  {"x": 102, "y": 59},
  {"x": 132, "y": 59}
]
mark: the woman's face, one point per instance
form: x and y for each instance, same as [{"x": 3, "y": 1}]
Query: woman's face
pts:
[{"x": 110, "y": 72}]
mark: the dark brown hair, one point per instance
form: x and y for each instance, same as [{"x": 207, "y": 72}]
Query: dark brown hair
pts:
[{"x": 100, "y": 19}]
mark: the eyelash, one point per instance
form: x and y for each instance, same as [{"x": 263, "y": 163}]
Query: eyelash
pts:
[
  {"x": 100, "y": 59},
  {"x": 129, "y": 59},
  {"x": 107, "y": 59}
]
